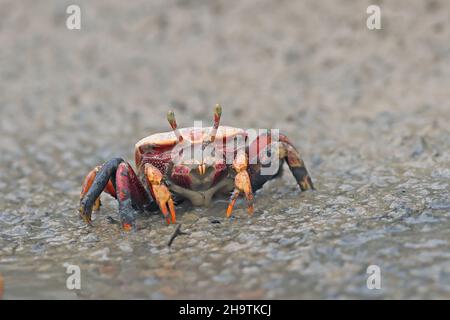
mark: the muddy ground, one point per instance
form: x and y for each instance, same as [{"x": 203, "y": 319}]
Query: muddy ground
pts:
[{"x": 368, "y": 109}]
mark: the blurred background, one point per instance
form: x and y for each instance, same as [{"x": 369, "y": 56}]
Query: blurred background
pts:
[{"x": 368, "y": 109}]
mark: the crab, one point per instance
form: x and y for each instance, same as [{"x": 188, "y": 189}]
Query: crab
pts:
[{"x": 193, "y": 163}]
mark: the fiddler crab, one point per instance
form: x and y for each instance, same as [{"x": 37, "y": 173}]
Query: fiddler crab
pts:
[{"x": 192, "y": 163}]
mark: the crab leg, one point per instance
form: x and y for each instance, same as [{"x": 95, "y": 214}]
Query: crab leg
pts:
[
  {"x": 263, "y": 146},
  {"x": 160, "y": 192},
  {"x": 242, "y": 183},
  {"x": 295, "y": 163}
]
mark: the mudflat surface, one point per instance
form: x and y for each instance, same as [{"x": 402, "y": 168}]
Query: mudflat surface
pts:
[{"x": 369, "y": 110}]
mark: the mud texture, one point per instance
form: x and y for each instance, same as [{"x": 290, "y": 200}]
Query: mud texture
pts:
[{"x": 369, "y": 111}]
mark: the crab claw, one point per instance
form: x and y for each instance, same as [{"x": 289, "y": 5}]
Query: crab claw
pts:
[
  {"x": 86, "y": 210},
  {"x": 242, "y": 183},
  {"x": 167, "y": 202},
  {"x": 88, "y": 202},
  {"x": 160, "y": 193},
  {"x": 85, "y": 214}
]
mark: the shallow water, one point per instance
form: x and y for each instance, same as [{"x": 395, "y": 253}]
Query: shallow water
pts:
[{"x": 369, "y": 112}]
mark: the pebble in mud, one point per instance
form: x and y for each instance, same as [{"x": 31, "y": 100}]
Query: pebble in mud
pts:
[
  {"x": 89, "y": 238},
  {"x": 101, "y": 255},
  {"x": 189, "y": 218}
]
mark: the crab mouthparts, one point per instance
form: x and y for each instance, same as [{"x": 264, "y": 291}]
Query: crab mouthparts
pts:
[{"x": 202, "y": 169}]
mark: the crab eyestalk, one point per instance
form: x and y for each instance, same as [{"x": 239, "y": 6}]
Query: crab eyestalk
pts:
[
  {"x": 173, "y": 124},
  {"x": 217, "y": 114}
]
